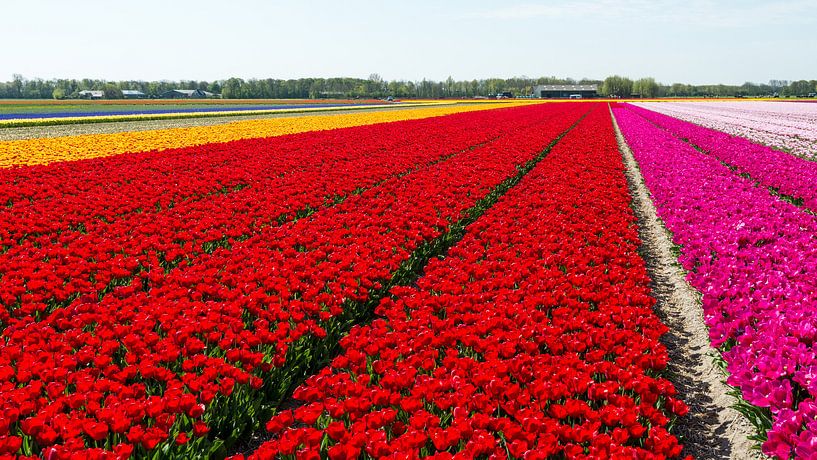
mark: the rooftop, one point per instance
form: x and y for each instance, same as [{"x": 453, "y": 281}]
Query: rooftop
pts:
[{"x": 567, "y": 88}]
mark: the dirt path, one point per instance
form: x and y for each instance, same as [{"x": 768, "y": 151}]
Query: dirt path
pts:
[{"x": 712, "y": 429}]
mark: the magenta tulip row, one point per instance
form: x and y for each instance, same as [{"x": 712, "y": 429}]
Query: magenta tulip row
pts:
[
  {"x": 753, "y": 257},
  {"x": 787, "y": 174}
]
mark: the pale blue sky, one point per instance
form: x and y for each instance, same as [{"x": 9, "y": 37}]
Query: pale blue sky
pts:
[{"x": 694, "y": 41}]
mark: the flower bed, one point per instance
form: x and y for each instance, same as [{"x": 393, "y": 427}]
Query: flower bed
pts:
[
  {"x": 785, "y": 125},
  {"x": 791, "y": 176},
  {"x": 533, "y": 337},
  {"x": 108, "y": 186},
  {"x": 752, "y": 257},
  {"x": 192, "y": 363},
  {"x": 69, "y": 235},
  {"x": 71, "y": 148}
]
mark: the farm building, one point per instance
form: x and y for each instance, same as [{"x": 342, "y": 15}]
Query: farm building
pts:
[
  {"x": 88, "y": 94},
  {"x": 133, "y": 94},
  {"x": 566, "y": 91},
  {"x": 187, "y": 93}
]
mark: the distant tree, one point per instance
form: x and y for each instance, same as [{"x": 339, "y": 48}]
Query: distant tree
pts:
[
  {"x": 165, "y": 86},
  {"x": 37, "y": 89},
  {"x": 475, "y": 87},
  {"x": 375, "y": 87},
  {"x": 617, "y": 86},
  {"x": 112, "y": 92},
  {"x": 232, "y": 88},
  {"x": 778, "y": 85},
  {"x": 16, "y": 86},
  {"x": 58, "y": 93},
  {"x": 449, "y": 86},
  {"x": 152, "y": 89},
  {"x": 646, "y": 87},
  {"x": 798, "y": 88},
  {"x": 316, "y": 89}
]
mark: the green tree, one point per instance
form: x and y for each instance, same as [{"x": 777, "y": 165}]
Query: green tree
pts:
[
  {"x": 376, "y": 86},
  {"x": 16, "y": 86},
  {"x": 798, "y": 88},
  {"x": 232, "y": 88},
  {"x": 646, "y": 87},
  {"x": 58, "y": 93},
  {"x": 449, "y": 86},
  {"x": 617, "y": 86},
  {"x": 112, "y": 92}
]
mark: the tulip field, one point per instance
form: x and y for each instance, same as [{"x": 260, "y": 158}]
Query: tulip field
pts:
[
  {"x": 444, "y": 281},
  {"x": 743, "y": 216},
  {"x": 792, "y": 127}
]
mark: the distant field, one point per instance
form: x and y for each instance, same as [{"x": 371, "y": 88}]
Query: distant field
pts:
[
  {"x": 21, "y": 113},
  {"x": 31, "y": 113},
  {"x": 179, "y": 102},
  {"x": 58, "y": 109}
]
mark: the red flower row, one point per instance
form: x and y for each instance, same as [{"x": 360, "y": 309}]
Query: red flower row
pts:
[
  {"x": 111, "y": 242},
  {"x": 60, "y": 195},
  {"x": 208, "y": 347},
  {"x": 533, "y": 337}
]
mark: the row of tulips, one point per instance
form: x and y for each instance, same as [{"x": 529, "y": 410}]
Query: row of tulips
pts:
[
  {"x": 785, "y": 125},
  {"x": 533, "y": 338},
  {"x": 753, "y": 258},
  {"x": 191, "y": 364},
  {"x": 108, "y": 237},
  {"x": 788, "y": 175},
  {"x": 79, "y": 147},
  {"x": 70, "y": 193}
]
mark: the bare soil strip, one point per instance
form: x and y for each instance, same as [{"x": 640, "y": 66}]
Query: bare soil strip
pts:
[{"x": 712, "y": 429}]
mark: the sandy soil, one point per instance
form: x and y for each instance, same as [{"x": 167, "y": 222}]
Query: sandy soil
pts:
[{"x": 712, "y": 429}]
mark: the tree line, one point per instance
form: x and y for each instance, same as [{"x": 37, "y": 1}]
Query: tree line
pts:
[
  {"x": 648, "y": 88},
  {"x": 376, "y": 87}
]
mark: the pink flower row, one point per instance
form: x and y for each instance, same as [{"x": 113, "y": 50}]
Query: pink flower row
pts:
[
  {"x": 753, "y": 257},
  {"x": 789, "y": 126}
]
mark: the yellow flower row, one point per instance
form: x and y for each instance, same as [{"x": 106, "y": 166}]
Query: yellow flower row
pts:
[{"x": 69, "y": 148}]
